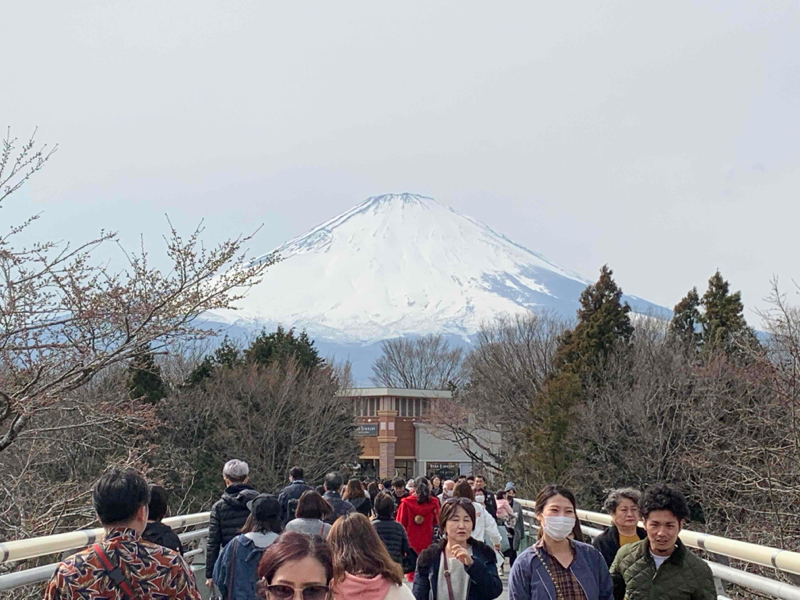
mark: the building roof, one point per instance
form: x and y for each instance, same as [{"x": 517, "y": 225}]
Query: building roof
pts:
[{"x": 395, "y": 392}]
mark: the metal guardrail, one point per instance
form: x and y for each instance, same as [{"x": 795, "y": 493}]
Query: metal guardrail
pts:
[
  {"x": 782, "y": 560},
  {"x": 43, "y": 546},
  {"x": 731, "y": 549},
  {"x": 766, "y": 556},
  {"x": 63, "y": 542}
]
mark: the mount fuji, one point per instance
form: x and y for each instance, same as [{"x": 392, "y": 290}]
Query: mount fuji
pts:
[{"x": 403, "y": 265}]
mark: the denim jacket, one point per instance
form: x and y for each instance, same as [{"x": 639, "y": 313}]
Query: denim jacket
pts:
[
  {"x": 238, "y": 564},
  {"x": 529, "y": 579}
]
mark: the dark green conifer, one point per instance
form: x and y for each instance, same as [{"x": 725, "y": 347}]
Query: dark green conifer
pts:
[
  {"x": 280, "y": 345},
  {"x": 686, "y": 320},
  {"x": 604, "y": 325},
  {"x": 144, "y": 379},
  {"x": 723, "y": 315}
]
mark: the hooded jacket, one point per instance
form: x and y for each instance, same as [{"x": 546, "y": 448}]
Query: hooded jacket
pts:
[
  {"x": 374, "y": 588},
  {"x": 683, "y": 576},
  {"x": 484, "y": 582},
  {"x": 227, "y": 517},
  {"x": 163, "y": 535},
  {"x": 362, "y": 505},
  {"x": 420, "y": 535},
  {"x": 238, "y": 565}
]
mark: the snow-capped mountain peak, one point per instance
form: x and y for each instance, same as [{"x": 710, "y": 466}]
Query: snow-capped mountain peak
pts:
[{"x": 401, "y": 264}]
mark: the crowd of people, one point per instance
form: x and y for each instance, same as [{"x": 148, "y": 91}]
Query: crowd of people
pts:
[{"x": 450, "y": 539}]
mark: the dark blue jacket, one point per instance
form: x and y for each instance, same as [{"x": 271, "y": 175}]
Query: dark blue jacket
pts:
[
  {"x": 529, "y": 579},
  {"x": 289, "y": 497},
  {"x": 484, "y": 582},
  {"x": 238, "y": 564},
  {"x": 340, "y": 507}
]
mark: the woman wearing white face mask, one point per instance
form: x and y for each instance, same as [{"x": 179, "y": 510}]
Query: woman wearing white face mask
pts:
[{"x": 556, "y": 567}]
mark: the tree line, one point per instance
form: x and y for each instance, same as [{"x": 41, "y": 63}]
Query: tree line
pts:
[
  {"x": 702, "y": 402},
  {"x": 103, "y": 366}
]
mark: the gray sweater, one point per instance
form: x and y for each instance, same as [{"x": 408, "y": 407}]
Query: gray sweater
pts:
[{"x": 309, "y": 527}]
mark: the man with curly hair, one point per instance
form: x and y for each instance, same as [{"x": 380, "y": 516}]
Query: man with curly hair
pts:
[{"x": 660, "y": 566}]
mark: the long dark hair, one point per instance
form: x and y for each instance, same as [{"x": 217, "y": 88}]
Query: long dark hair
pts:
[
  {"x": 254, "y": 525},
  {"x": 372, "y": 490},
  {"x": 353, "y": 490},
  {"x": 357, "y": 549},
  {"x": 423, "y": 489}
]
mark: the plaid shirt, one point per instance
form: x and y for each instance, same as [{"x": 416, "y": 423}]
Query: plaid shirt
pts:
[
  {"x": 154, "y": 572},
  {"x": 567, "y": 585}
]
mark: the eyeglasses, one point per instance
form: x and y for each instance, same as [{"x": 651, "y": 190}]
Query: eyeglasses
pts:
[{"x": 287, "y": 592}]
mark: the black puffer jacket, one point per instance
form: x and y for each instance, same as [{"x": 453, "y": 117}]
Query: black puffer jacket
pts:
[
  {"x": 163, "y": 535},
  {"x": 394, "y": 537},
  {"x": 227, "y": 517}
]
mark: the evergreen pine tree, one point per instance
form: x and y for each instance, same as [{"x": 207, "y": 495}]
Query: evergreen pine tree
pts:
[
  {"x": 280, "y": 345},
  {"x": 603, "y": 327},
  {"x": 227, "y": 355},
  {"x": 723, "y": 313},
  {"x": 547, "y": 447},
  {"x": 686, "y": 320},
  {"x": 144, "y": 379}
]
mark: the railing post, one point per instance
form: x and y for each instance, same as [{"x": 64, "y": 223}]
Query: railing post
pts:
[{"x": 723, "y": 560}]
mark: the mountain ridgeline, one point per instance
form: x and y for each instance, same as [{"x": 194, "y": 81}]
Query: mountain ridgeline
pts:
[{"x": 403, "y": 265}]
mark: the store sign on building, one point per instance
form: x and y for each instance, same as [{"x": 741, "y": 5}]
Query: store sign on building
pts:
[{"x": 367, "y": 430}]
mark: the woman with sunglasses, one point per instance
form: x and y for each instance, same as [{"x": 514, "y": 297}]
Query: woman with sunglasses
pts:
[
  {"x": 556, "y": 566},
  {"x": 362, "y": 566},
  {"x": 459, "y": 567},
  {"x": 296, "y": 567}
]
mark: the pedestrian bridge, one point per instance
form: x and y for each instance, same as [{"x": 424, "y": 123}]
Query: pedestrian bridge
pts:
[{"x": 732, "y": 562}]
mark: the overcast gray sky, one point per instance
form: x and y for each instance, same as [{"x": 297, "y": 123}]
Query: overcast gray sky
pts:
[{"x": 660, "y": 138}]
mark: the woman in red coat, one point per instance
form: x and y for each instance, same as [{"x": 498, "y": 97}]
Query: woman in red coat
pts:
[{"x": 418, "y": 514}]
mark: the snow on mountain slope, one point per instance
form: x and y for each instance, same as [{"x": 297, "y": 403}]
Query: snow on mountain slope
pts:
[{"x": 403, "y": 264}]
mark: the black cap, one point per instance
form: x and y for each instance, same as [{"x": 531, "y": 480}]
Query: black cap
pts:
[{"x": 265, "y": 507}]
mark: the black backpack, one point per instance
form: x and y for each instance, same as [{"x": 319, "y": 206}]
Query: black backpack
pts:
[
  {"x": 291, "y": 504},
  {"x": 291, "y": 508}
]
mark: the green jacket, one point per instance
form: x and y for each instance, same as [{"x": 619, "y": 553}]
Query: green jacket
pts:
[{"x": 683, "y": 576}]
